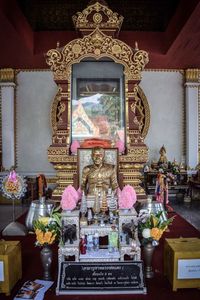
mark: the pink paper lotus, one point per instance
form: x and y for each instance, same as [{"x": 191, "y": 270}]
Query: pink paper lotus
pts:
[
  {"x": 79, "y": 192},
  {"x": 12, "y": 176},
  {"x": 127, "y": 197},
  {"x": 120, "y": 145},
  {"x": 69, "y": 198},
  {"x": 74, "y": 146}
]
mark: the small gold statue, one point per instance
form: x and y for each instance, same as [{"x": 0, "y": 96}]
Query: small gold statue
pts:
[
  {"x": 100, "y": 176},
  {"x": 163, "y": 158}
]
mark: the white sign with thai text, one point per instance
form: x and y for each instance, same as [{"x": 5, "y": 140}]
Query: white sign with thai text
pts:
[
  {"x": 188, "y": 269},
  {"x": 1, "y": 271}
]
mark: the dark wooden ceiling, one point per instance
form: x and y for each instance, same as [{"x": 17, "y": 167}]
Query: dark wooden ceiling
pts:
[
  {"x": 140, "y": 15},
  {"x": 169, "y": 30}
]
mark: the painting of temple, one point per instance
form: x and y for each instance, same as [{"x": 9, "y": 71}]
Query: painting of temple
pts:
[{"x": 97, "y": 116}]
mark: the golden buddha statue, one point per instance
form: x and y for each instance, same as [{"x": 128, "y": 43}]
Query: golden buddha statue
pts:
[
  {"x": 99, "y": 176},
  {"x": 163, "y": 158}
]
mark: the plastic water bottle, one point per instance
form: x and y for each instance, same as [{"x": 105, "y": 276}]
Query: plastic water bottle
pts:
[
  {"x": 83, "y": 245},
  {"x": 96, "y": 241},
  {"x": 90, "y": 245}
]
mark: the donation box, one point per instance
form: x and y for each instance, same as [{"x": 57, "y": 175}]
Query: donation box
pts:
[
  {"x": 10, "y": 265},
  {"x": 182, "y": 262}
]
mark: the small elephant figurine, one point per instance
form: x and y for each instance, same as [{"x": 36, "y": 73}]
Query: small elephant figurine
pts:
[
  {"x": 69, "y": 233},
  {"x": 129, "y": 229}
]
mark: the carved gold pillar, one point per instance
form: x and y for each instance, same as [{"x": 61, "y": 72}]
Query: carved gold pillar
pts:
[
  {"x": 59, "y": 152},
  {"x": 131, "y": 165}
]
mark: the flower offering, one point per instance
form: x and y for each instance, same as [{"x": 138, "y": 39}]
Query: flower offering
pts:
[
  {"x": 152, "y": 226},
  {"x": 47, "y": 229}
]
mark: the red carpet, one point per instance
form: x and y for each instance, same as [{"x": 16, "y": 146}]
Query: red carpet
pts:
[{"x": 157, "y": 288}]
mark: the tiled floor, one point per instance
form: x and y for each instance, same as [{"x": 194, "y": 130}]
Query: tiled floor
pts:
[
  {"x": 6, "y": 213},
  {"x": 189, "y": 211}
]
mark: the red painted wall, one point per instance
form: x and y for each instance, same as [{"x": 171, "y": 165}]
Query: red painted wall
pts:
[{"x": 178, "y": 47}]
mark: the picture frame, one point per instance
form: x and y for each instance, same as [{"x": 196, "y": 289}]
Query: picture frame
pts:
[{"x": 97, "y": 111}]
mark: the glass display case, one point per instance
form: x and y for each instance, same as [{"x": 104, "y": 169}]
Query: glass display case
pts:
[{"x": 97, "y": 106}]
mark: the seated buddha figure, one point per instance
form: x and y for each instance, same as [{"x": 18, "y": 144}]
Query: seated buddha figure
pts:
[
  {"x": 163, "y": 158},
  {"x": 99, "y": 176}
]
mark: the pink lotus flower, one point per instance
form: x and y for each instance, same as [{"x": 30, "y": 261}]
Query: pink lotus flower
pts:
[
  {"x": 69, "y": 198},
  {"x": 12, "y": 176},
  {"x": 127, "y": 197},
  {"x": 74, "y": 146},
  {"x": 120, "y": 145},
  {"x": 79, "y": 192}
]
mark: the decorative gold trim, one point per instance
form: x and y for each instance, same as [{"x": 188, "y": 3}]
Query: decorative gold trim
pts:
[
  {"x": 181, "y": 71},
  {"x": 7, "y": 75},
  {"x": 140, "y": 105},
  {"x": 82, "y": 20},
  {"x": 57, "y": 150},
  {"x": 145, "y": 103},
  {"x": 96, "y": 45},
  {"x": 127, "y": 113},
  {"x": 54, "y": 106},
  {"x": 51, "y": 180},
  {"x": 192, "y": 75}
]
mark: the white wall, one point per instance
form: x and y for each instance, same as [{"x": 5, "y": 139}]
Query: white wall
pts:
[
  {"x": 35, "y": 93},
  {"x": 165, "y": 94},
  {"x": 36, "y": 90}
]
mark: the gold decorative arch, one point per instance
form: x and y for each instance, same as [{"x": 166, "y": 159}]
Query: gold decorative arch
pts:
[
  {"x": 96, "y": 45},
  {"x": 98, "y": 42}
]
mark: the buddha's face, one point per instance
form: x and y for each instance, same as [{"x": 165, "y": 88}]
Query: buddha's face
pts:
[{"x": 98, "y": 156}]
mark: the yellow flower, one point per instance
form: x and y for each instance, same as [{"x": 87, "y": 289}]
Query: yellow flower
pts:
[
  {"x": 44, "y": 220},
  {"x": 155, "y": 221},
  {"x": 40, "y": 238},
  {"x": 52, "y": 239},
  {"x": 156, "y": 233},
  {"x": 37, "y": 231},
  {"x": 47, "y": 236}
]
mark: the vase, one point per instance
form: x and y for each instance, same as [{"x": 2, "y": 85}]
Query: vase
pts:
[
  {"x": 148, "y": 251},
  {"x": 46, "y": 258}
]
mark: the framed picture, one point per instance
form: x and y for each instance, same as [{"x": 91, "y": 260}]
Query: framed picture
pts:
[
  {"x": 98, "y": 110},
  {"x": 85, "y": 159}
]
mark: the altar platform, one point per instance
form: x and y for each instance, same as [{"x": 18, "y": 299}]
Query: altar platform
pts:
[{"x": 157, "y": 288}]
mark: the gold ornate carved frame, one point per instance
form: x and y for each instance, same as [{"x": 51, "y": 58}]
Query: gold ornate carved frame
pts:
[{"x": 98, "y": 42}]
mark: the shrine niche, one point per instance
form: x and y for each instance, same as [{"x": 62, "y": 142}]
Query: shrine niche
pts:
[{"x": 97, "y": 27}]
